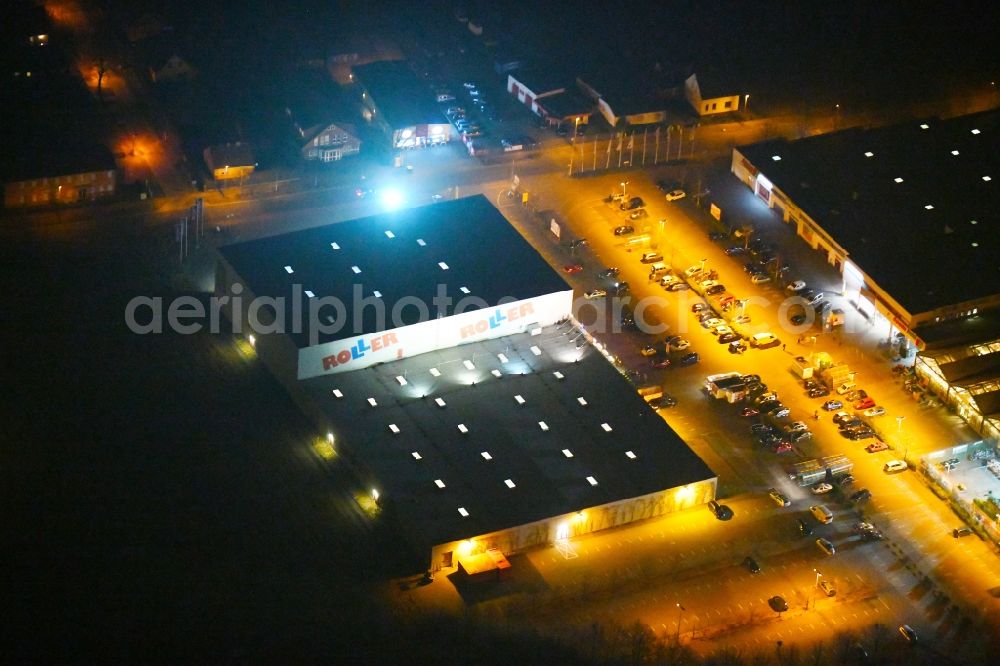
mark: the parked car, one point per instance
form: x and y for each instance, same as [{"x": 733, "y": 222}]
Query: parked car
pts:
[
  {"x": 651, "y": 257},
  {"x": 826, "y": 546},
  {"x": 633, "y": 203},
  {"x": 805, "y": 528},
  {"x": 715, "y": 289},
  {"x": 843, "y": 418},
  {"x": 795, "y": 287},
  {"x": 778, "y": 604},
  {"x": 572, "y": 268},
  {"x": 721, "y": 511},
  {"x": 595, "y": 293},
  {"x": 821, "y": 489},
  {"x": 778, "y": 498},
  {"x": 827, "y": 588},
  {"x": 865, "y": 403},
  {"x": 688, "y": 359},
  {"x": 674, "y": 195},
  {"x": 877, "y": 446},
  {"x": 608, "y": 273},
  {"x": 907, "y": 632},
  {"x": 894, "y": 466},
  {"x": 648, "y": 350},
  {"x": 796, "y": 437},
  {"x": 764, "y": 340},
  {"x": 717, "y": 236},
  {"x": 698, "y": 308},
  {"x": 638, "y": 214},
  {"x": 663, "y": 402},
  {"x": 831, "y": 405},
  {"x": 845, "y": 481},
  {"x": 857, "y": 394},
  {"x": 624, "y": 230},
  {"x": 862, "y": 495},
  {"x": 735, "y": 250},
  {"x": 737, "y": 347},
  {"x": 819, "y": 392},
  {"x": 959, "y": 532},
  {"x": 659, "y": 362},
  {"x": 875, "y": 411},
  {"x": 760, "y": 278},
  {"x": 751, "y": 565},
  {"x": 726, "y": 338}
]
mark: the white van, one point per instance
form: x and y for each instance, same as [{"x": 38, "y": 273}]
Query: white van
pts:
[
  {"x": 846, "y": 387},
  {"x": 821, "y": 513},
  {"x": 658, "y": 269}
]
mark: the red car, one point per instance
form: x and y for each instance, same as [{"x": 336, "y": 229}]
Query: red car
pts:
[
  {"x": 572, "y": 268},
  {"x": 659, "y": 362},
  {"x": 749, "y": 411},
  {"x": 865, "y": 403},
  {"x": 783, "y": 447}
]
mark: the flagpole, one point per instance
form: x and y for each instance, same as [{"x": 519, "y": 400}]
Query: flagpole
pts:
[
  {"x": 656, "y": 152},
  {"x": 645, "y": 133}
]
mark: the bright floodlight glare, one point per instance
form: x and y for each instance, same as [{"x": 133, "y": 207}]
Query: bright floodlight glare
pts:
[{"x": 392, "y": 198}]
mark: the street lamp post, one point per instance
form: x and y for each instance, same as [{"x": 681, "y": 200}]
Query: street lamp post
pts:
[
  {"x": 680, "y": 610},
  {"x": 746, "y": 102},
  {"x": 703, "y": 263},
  {"x": 815, "y": 585},
  {"x": 623, "y": 184},
  {"x": 899, "y": 434}
]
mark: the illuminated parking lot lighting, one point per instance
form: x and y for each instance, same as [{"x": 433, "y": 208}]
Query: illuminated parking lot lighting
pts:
[
  {"x": 377, "y": 293},
  {"x": 591, "y": 480},
  {"x": 252, "y": 339},
  {"x": 355, "y": 269},
  {"x": 519, "y": 399},
  {"x": 954, "y": 152},
  {"x": 334, "y": 246},
  {"x": 372, "y": 402},
  {"x": 558, "y": 375},
  {"x": 443, "y": 265},
  {"x": 776, "y": 158},
  {"x": 869, "y": 154},
  {"x": 898, "y": 179},
  {"x": 544, "y": 426},
  {"x": 535, "y": 350},
  {"x": 416, "y": 455},
  {"x": 929, "y": 207},
  {"x": 337, "y": 393},
  {"x": 509, "y": 482},
  {"x": 502, "y": 357},
  {"x": 462, "y": 512},
  {"x": 469, "y": 365},
  {"x": 975, "y": 131},
  {"x": 375, "y": 494},
  {"x": 439, "y": 483},
  {"x": 440, "y": 402},
  {"x": 464, "y": 290},
  {"x": 310, "y": 294},
  {"x": 582, "y": 401},
  {"x": 329, "y": 437},
  {"x": 394, "y": 428},
  {"x": 496, "y": 373},
  {"x": 389, "y": 234},
  {"x": 421, "y": 242},
  {"x": 401, "y": 380},
  {"x": 462, "y": 429},
  {"x": 435, "y": 372},
  {"x": 486, "y": 455},
  {"x": 630, "y": 455},
  {"x": 987, "y": 178},
  {"x": 606, "y": 427},
  {"x": 924, "y": 126},
  {"x": 288, "y": 269},
  {"x": 567, "y": 453}
]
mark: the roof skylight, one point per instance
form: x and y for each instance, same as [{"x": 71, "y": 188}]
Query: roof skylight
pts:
[
  {"x": 288, "y": 269},
  {"x": 463, "y": 512},
  {"x": 591, "y": 480}
]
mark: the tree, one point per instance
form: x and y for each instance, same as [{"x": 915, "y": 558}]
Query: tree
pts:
[{"x": 102, "y": 69}]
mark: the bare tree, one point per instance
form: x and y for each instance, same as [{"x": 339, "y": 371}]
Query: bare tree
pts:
[{"x": 102, "y": 69}]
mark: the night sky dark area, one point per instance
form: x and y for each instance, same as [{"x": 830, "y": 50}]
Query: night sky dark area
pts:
[{"x": 157, "y": 502}]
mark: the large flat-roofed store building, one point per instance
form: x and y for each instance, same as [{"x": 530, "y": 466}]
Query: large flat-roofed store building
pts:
[
  {"x": 907, "y": 213},
  {"x": 498, "y": 427}
]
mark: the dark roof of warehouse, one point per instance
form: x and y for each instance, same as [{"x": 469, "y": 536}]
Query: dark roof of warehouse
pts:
[
  {"x": 399, "y": 255},
  {"x": 398, "y": 95},
  {"x": 600, "y": 432},
  {"x": 914, "y": 204},
  {"x": 568, "y": 103}
]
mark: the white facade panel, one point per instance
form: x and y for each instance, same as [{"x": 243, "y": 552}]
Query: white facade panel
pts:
[{"x": 362, "y": 351}]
